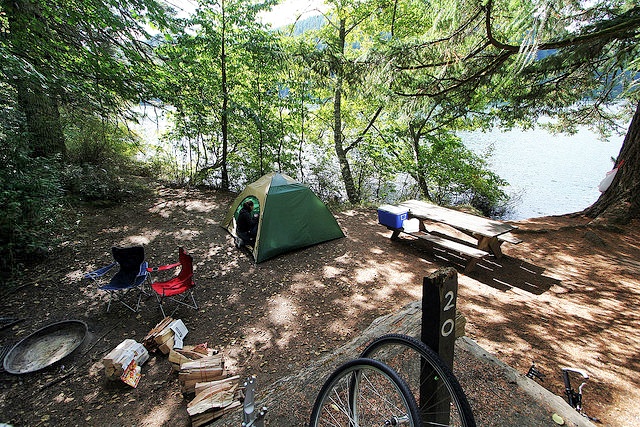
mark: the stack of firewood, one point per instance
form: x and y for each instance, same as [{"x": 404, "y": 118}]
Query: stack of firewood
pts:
[
  {"x": 163, "y": 335},
  {"x": 128, "y": 356},
  {"x": 201, "y": 372},
  {"x": 213, "y": 400},
  {"x": 202, "y": 368}
]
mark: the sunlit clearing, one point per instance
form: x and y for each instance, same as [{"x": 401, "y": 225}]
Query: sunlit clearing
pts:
[
  {"x": 360, "y": 302},
  {"x": 258, "y": 339},
  {"x": 200, "y": 206},
  {"x": 391, "y": 273},
  {"x": 331, "y": 272},
  {"x": 159, "y": 415},
  {"x": 148, "y": 237},
  {"x": 285, "y": 338},
  {"x": 281, "y": 310},
  {"x": 385, "y": 293},
  {"x": 186, "y": 234}
]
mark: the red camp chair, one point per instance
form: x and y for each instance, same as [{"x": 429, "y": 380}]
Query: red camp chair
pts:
[{"x": 178, "y": 289}]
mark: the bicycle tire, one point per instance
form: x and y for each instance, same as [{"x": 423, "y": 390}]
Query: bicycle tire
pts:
[
  {"x": 417, "y": 364},
  {"x": 364, "y": 393}
]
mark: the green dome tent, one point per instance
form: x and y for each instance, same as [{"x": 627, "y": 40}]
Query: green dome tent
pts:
[{"x": 291, "y": 216}]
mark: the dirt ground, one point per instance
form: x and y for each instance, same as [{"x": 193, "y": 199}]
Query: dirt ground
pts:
[{"x": 566, "y": 296}]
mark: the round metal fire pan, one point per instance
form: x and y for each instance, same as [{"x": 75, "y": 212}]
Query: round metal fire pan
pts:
[{"x": 45, "y": 347}]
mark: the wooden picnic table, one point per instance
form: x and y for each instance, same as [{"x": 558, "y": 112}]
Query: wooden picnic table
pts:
[{"x": 489, "y": 233}]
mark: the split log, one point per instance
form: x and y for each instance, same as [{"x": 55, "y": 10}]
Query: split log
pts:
[
  {"x": 150, "y": 340},
  {"x": 218, "y": 394},
  {"x": 120, "y": 358},
  {"x": 190, "y": 378},
  {"x": 162, "y": 336},
  {"x": 166, "y": 346},
  {"x": 189, "y": 353},
  {"x": 214, "y": 361},
  {"x": 206, "y": 417},
  {"x": 214, "y": 399},
  {"x": 210, "y": 385}
]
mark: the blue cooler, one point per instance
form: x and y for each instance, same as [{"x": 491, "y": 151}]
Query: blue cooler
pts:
[{"x": 392, "y": 216}]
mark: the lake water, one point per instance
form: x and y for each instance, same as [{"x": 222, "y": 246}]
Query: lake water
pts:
[{"x": 548, "y": 174}]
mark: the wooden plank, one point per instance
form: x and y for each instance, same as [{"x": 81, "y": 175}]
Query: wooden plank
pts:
[
  {"x": 460, "y": 220},
  {"x": 449, "y": 244},
  {"x": 509, "y": 238},
  {"x": 473, "y": 254}
]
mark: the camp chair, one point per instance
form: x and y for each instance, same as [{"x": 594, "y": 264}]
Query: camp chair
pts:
[
  {"x": 178, "y": 289},
  {"x": 128, "y": 279}
]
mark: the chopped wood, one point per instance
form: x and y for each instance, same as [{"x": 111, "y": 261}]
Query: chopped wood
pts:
[
  {"x": 213, "y": 398},
  {"x": 120, "y": 357},
  {"x": 177, "y": 358},
  {"x": 150, "y": 340},
  {"x": 215, "y": 361},
  {"x": 167, "y": 345},
  {"x": 206, "y": 417},
  {"x": 194, "y": 353},
  {"x": 202, "y": 369},
  {"x": 211, "y": 385},
  {"x": 204, "y": 374},
  {"x": 188, "y": 354},
  {"x": 202, "y": 348},
  {"x": 162, "y": 336}
]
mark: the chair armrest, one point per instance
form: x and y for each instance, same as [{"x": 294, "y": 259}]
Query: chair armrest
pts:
[
  {"x": 144, "y": 268},
  {"x": 163, "y": 267},
  {"x": 99, "y": 272}
]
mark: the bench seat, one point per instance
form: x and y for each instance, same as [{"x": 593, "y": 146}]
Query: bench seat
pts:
[
  {"x": 509, "y": 238},
  {"x": 474, "y": 254}
]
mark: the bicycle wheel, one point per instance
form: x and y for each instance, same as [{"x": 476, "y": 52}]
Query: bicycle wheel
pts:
[
  {"x": 365, "y": 393},
  {"x": 440, "y": 398}
]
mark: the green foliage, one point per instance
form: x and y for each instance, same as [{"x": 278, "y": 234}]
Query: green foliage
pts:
[
  {"x": 30, "y": 193},
  {"x": 93, "y": 183},
  {"x": 101, "y": 160},
  {"x": 98, "y": 141}
]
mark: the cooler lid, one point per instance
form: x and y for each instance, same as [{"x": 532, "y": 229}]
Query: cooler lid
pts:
[{"x": 396, "y": 210}]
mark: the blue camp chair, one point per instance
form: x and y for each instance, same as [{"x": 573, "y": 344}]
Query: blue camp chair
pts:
[{"x": 129, "y": 279}]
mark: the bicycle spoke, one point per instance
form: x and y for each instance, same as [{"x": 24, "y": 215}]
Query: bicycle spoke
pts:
[
  {"x": 439, "y": 395},
  {"x": 365, "y": 393}
]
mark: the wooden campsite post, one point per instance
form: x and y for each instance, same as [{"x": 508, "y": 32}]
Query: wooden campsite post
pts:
[{"x": 439, "y": 294}]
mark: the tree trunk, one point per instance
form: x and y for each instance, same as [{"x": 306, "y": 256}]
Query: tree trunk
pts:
[
  {"x": 418, "y": 175},
  {"x": 620, "y": 203},
  {"x": 40, "y": 106},
  {"x": 224, "y": 120},
  {"x": 345, "y": 168}
]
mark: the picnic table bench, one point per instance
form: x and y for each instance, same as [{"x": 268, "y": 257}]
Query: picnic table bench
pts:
[{"x": 489, "y": 233}]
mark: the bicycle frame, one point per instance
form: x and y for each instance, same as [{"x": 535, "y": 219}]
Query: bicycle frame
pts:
[{"x": 574, "y": 398}]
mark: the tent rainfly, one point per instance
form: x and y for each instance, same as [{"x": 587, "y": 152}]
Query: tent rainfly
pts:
[{"x": 291, "y": 216}]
